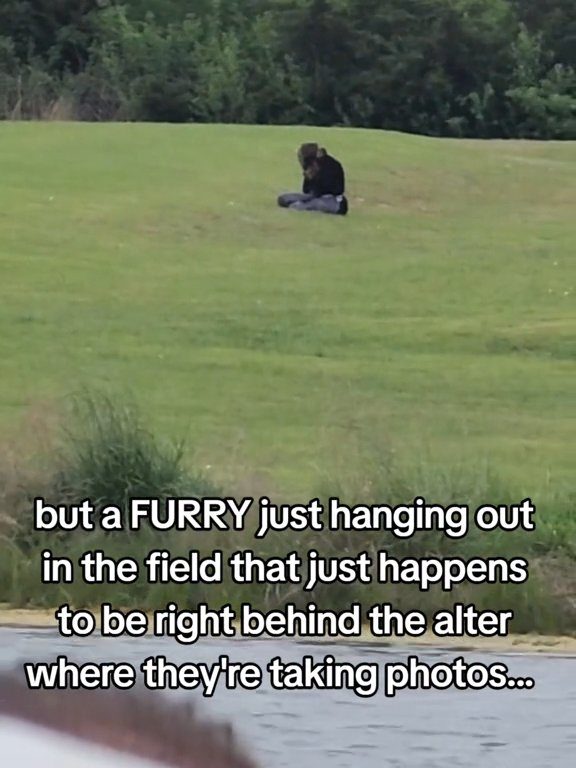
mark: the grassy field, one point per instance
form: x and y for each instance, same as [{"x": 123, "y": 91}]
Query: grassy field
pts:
[
  {"x": 439, "y": 316},
  {"x": 436, "y": 321}
]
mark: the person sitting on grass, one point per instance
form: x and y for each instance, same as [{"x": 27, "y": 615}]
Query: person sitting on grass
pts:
[{"x": 324, "y": 184}]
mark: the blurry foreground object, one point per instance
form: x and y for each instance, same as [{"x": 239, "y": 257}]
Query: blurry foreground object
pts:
[{"x": 88, "y": 729}]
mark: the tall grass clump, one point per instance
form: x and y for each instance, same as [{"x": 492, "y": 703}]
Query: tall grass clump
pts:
[
  {"x": 382, "y": 477},
  {"x": 546, "y": 602},
  {"x": 109, "y": 455},
  {"x": 101, "y": 449}
]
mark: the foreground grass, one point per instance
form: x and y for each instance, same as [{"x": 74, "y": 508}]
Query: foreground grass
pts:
[
  {"x": 439, "y": 314},
  {"x": 105, "y": 452}
]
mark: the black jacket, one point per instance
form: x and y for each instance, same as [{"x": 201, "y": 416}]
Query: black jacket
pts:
[{"x": 329, "y": 180}]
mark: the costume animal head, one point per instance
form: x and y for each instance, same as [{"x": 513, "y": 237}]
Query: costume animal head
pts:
[{"x": 307, "y": 153}]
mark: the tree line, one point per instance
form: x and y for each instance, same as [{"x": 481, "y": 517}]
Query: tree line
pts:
[{"x": 464, "y": 68}]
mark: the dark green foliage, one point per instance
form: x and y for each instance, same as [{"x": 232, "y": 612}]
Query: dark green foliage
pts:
[
  {"x": 555, "y": 20},
  {"x": 543, "y": 99},
  {"x": 58, "y": 31},
  {"x": 474, "y": 68}
]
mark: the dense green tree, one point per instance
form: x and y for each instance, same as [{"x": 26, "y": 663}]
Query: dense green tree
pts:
[
  {"x": 59, "y": 30},
  {"x": 555, "y": 21},
  {"x": 481, "y": 68}
]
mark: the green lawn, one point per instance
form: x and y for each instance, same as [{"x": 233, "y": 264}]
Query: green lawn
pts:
[{"x": 440, "y": 315}]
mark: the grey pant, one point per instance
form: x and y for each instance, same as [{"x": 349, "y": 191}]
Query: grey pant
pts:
[{"x": 298, "y": 201}]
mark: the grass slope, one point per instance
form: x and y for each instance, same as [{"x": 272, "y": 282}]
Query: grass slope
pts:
[{"x": 439, "y": 314}]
